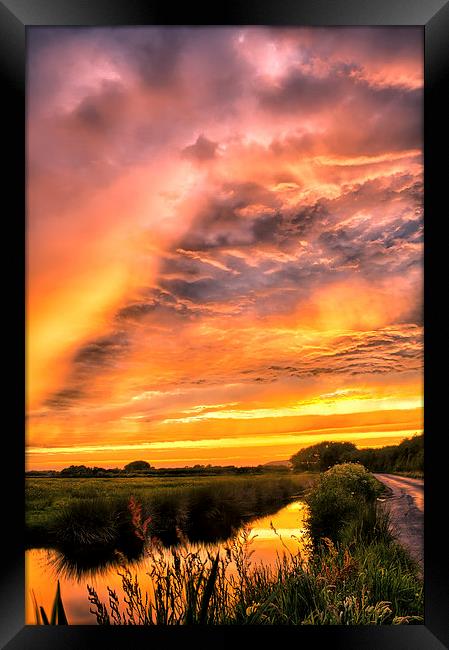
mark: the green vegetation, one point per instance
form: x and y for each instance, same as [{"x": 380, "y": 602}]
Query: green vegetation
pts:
[
  {"x": 406, "y": 457},
  {"x": 357, "y": 575},
  {"x": 76, "y": 515},
  {"x": 416, "y": 474},
  {"x": 342, "y": 500},
  {"x": 352, "y": 571},
  {"x": 322, "y": 456},
  {"x": 336, "y": 588}
]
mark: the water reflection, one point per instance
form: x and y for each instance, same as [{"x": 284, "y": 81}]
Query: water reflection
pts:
[
  {"x": 64, "y": 566},
  {"x": 272, "y": 535}
]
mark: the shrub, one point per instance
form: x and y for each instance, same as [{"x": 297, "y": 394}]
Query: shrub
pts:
[{"x": 342, "y": 497}]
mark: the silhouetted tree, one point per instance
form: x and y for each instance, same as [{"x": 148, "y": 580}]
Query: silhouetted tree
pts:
[
  {"x": 137, "y": 466},
  {"x": 407, "y": 456},
  {"x": 322, "y": 456},
  {"x": 76, "y": 471}
]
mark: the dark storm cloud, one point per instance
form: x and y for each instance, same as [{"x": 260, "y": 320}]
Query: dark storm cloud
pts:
[
  {"x": 387, "y": 243},
  {"x": 154, "y": 54},
  {"x": 161, "y": 56},
  {"x": 151, "y": 302},
  {"x": 267, "y": 228},
  {"x": 199, "y": 291},
  {"x": 101, "y": 351},
  {"x": 373, "y": 250},
  {"x": 64, "y": 398},
  {"x": 389, "y": 118},
  {"x": 140, "y": 93},
  {"x": 203, "y": 149},
  {"x": 102, "y": 111},
  {"x": 220, "y": 225},
  {"x": 366, "y": 43},
  {"x": 309, "y": 217},
  {"x": 205, "y": 269},
  {"x": 411, "y": 230},
  {"x": 164, "y": 306},
  {"x": 89, "y": 360},
  {"x": 136, "y": 311},
  {"x": 300, "y": 91},
  {"x": 248, "y": 288}
]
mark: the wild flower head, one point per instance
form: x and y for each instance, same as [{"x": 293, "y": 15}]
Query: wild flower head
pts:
[{"x": 140, "y": 526}]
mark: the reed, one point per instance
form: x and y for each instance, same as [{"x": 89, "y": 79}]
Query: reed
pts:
[{"x": 364, "y": 584}]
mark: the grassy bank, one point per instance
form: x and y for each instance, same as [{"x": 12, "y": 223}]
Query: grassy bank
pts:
[
  {"x": 73, "y": 514},
  {"x": 364, "y": 585},
  {"x": 356, "y": 573},
  {"x": 416, "y": 474}
]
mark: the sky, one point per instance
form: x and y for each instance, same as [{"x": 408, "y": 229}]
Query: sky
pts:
[{"x": 224, "y": 242}]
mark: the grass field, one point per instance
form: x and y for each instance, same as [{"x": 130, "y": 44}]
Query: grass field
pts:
[{"x": 96, "y": 511}]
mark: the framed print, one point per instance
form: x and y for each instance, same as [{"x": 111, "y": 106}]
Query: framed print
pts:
[{"x": 229, "y": 295}]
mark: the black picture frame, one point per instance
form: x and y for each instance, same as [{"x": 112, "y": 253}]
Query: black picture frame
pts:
[{"x": 15, "y": 17}]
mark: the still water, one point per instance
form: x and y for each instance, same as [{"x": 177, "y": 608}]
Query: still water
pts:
[{"x": 43, "y": 566}]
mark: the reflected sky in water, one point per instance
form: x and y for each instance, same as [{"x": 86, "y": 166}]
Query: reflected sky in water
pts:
[{"x": 271, "y": 537}]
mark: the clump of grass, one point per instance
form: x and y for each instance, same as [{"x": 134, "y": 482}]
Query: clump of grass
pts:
[
  {"x": 93, "y": 534},
  {"x": 89, "y": 522},
  {"x": 369, "y": 523},
  {"x": 412, "y": 474}
]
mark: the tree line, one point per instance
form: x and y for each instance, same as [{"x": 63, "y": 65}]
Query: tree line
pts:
[
  {"x": 407, "y": 456},
  {"x": 141, "y": 468}
]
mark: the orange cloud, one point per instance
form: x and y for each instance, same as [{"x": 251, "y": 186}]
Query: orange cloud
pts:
[{"x": 224, "y": 241}]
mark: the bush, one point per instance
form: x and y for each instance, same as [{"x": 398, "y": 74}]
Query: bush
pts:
[{"x": 342, "y": 497}]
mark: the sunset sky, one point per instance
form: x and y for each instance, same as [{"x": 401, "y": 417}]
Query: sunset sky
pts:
[{"x": 224, "y": 242}]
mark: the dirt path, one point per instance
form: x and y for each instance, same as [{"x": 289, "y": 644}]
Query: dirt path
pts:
[{"x": 406, "y": 503}]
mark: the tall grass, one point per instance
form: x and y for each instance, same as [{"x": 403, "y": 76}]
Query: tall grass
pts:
[
  {"x": 361, "y": 585},
  {"x": 355, "y": 575}
]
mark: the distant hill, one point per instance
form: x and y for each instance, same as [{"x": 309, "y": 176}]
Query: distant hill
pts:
[{"x": 278, "y": 463}]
